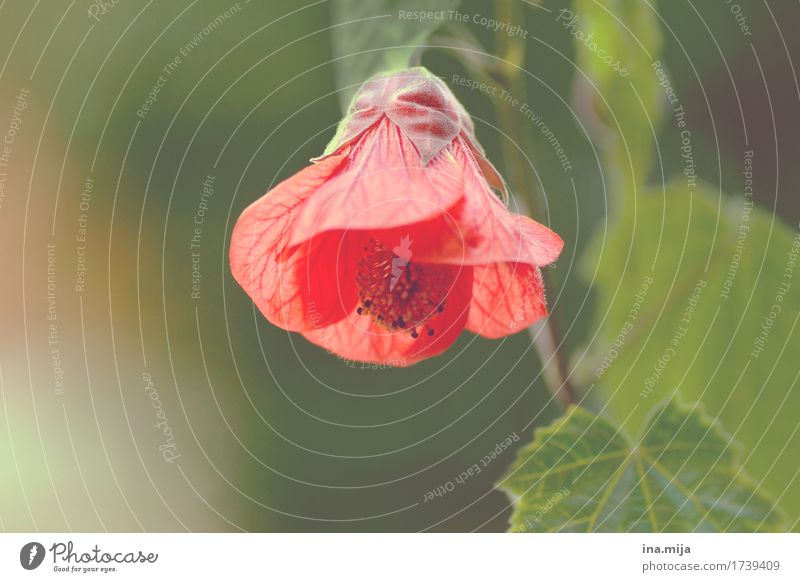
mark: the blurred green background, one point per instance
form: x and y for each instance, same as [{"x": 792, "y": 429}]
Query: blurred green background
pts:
[{"x": 272, "y": 433}]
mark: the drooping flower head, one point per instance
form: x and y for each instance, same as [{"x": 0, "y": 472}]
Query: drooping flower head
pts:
[{"x": 394, "y": 240}]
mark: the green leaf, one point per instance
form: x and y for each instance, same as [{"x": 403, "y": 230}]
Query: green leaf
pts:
[
  {"x": 582, "y": 474},
  {"x": 616, "y": 44},
  {"x": 380, "y": 35},
  {"x": 697, "y": 295}
]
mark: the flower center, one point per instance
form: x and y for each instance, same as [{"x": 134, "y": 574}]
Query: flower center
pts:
[{"x": 398, "y": 294}]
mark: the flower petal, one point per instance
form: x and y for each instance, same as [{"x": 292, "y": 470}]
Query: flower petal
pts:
[
  {"x": 481, "y": 230},
  {"x": 383, "y": 185},
  {"x": 292, "y": 287},
  {"x": 358, "y": 338},
  {"x": 506, "y": 298}
]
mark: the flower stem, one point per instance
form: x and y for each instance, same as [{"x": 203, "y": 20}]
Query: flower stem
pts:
[{"x": 508, "y": 73}]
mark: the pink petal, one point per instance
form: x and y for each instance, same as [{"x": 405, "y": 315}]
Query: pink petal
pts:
[
  {"x": 481, "y": 230},
  {"x": 383, "y": 185},
  {"x": 506, "y": 298},
  {"x": 301, "y": 288}
]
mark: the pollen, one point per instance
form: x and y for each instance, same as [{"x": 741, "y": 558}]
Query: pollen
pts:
[{"x": 397, "y": 293}]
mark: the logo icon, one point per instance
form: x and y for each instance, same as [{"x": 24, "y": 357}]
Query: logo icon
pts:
[
  {"x": 402, "y": 254},
  {"x": 31, "y": 555}
]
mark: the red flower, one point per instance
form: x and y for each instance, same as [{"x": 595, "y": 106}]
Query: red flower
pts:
[{"x": 393, "y": 242}]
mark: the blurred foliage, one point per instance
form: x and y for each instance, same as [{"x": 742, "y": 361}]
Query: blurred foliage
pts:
[
  {"x": 616, "y": 43},
  {"x": 715, "y": 268},
  {"x": 686, "y": 279},
  {"x": 372, "y": 37}
]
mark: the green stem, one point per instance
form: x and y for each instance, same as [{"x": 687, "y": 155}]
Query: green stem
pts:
[{"x": 508, "y": 73}]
